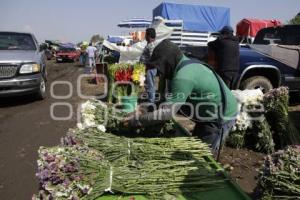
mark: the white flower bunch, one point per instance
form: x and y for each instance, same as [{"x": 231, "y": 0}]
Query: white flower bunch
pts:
[
  {"x": 246, "y": 98},
  {"x": 88, "y": 110}
]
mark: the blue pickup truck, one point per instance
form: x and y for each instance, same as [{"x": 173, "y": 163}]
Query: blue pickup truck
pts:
[{"x": 272, "y": 60}]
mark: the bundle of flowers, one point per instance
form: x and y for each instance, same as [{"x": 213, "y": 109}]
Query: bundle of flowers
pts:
[
  {"x": 276, "y": 103},
  {"x": 91, "y": 163},
  {"x": 138, "y": 74},
  {"x": 95, "y": 113},
  {"x": 141, "y": 149},
  {"x": 251, "y": 129},
  {"x": 246, "y": 99},
  {"x": 62, "y": 173},
  {"x": 268, "y": 128},
  {"x": 280, "y": 175},
  {"x": 123, "y": 73}
]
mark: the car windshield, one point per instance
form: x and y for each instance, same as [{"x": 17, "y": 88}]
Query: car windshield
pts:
[
  {"x": 64, "y": 49},
  {"x": 16, "y": 41}
]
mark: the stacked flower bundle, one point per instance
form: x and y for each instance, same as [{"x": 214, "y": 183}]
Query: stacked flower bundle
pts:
[
  {"x": 79, "y": 172},
  {"x": 251, "y": 129},
  {"x": 277, "y": 104},
  {"x": 280, "y": 175},
  {"x": 263, "y": 121},
  {"x": 124, "y": 74},
  {"x": 91, "y": 162}
]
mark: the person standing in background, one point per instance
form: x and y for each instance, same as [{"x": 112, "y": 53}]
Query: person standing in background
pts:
[
  {"x": 83, "y": 54},
  {"x": 151, "y": 71},
  {"x": 91, "y": 50},
  {"x": 227, "y": 54}
]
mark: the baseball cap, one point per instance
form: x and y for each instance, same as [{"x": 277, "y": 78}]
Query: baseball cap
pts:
[{"x": 226, "y": 29}]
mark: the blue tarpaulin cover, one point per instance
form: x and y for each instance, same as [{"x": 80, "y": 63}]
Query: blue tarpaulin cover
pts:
[{"x": 195, "y": 17}]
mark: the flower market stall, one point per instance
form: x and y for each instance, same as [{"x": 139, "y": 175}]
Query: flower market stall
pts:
[{"x": 101, "y": 159}]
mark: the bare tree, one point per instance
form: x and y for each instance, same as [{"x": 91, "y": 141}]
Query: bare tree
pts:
[{"x": 96, "y": 38}]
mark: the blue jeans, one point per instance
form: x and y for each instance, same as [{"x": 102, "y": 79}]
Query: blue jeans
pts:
[
  {"x": 209, "y": 132},
  {"x": 82, "y": 59},
  {"x": 150, "y": 84}
]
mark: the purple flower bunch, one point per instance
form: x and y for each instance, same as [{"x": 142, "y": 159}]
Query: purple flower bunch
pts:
[
  {"x": 68, "y": 140},
  {"x": 280, "y": 94},
  {"x": 59, "y": 174}
]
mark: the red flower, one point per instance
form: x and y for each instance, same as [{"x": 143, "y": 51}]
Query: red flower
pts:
[{"x": 123, "y": 75}]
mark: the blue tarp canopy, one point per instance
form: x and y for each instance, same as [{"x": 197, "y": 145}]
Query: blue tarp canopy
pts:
[{"x": 195, "y": 17}]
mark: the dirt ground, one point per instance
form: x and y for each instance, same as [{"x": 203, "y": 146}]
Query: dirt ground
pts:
[
  {"x": 26, "y": 124},
  {"x": 242, "y": 164}
]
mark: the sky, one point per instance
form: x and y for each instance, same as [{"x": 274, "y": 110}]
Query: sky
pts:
[{"x": 78, "y": 20}]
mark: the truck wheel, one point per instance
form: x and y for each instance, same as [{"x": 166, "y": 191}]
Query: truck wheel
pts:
[
  {"x": 257, "y": 82},
  {"x": 41, "y": 94}
]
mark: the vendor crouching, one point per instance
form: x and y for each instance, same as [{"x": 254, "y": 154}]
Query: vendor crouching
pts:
[{"x": 213, "y": 105}]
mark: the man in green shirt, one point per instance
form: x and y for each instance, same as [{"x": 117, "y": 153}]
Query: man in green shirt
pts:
[{"x": 213, "y": 107}]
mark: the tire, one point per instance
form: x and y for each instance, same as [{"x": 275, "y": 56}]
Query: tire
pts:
[
  {"x": 257, "y": 82},
  {"x": 41, "y": 94}
]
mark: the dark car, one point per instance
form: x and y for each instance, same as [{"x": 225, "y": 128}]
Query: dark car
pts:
[
  {"x": 67, "y": 54},
  {"x": 22, "y": 65}
]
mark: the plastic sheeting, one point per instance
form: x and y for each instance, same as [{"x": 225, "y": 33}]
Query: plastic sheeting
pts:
[
  {"x": 250, "y": 27},
  {"x": 195, "y": 17},
  {"x": 133, "y": 53}
]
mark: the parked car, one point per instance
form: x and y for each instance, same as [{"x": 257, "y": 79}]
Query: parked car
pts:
[
  {"x": 272, "y": 61},
  {"x": 67, "y": 54},
  {"x": 22, "y": 65}
]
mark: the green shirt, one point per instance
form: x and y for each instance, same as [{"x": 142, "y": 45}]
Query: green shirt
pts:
[{"x": 197, "y": 84}]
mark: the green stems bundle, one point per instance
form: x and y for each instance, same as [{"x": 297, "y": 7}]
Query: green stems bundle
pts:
[
  {"x": 276, "y": 103},
  {"x": 87, "y": 175},
  {"x": 140, "y": 149}
]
